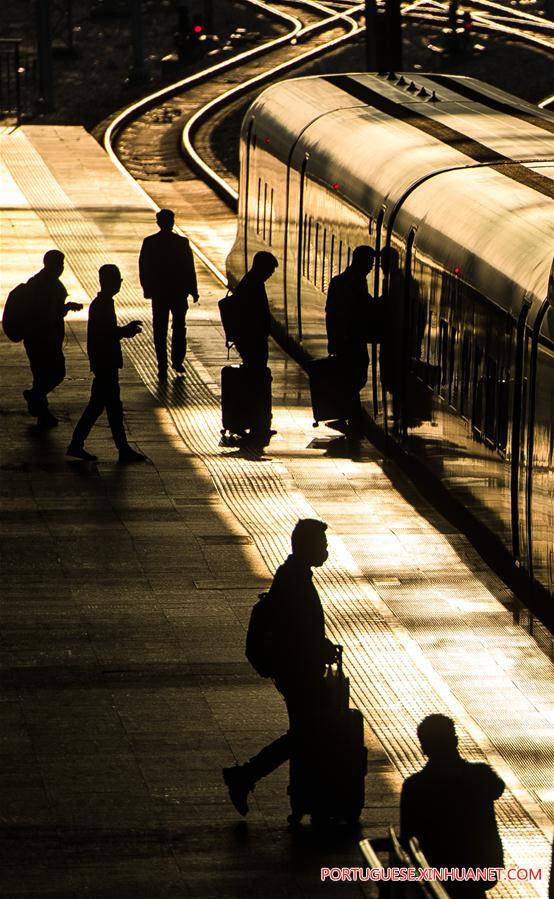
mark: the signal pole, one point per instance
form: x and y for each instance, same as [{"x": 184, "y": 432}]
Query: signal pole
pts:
[
  {"x": 44, "y": 54},
  {"x": 138, "y": 40},
  {"x": 394, "y": 35},
  {"x": 370, "y": 36}
]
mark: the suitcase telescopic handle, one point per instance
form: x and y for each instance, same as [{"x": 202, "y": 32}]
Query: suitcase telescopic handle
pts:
[{"x": 339, "y": 649}]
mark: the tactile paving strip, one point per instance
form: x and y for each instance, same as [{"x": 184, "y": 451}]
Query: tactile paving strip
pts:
[{"x": 392, "y": 680}]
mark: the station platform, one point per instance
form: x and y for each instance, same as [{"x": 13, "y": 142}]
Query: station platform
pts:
[{"x": 127, "y": 592}]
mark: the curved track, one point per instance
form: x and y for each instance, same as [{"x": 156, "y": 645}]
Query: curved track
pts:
[{"x": 156, "y": 139}]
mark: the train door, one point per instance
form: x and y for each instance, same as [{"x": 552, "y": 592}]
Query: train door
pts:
[
  {"x": 301, "y": 253},
  {"x": 250, "y": 147},
  {"x": 374, "y": 378}
]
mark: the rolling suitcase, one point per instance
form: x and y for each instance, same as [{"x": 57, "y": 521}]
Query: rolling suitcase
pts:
[
  {"x": 244, "y": 404},
  {"x": 328, "y": 392},
  {"x": 327, "y": 780}
]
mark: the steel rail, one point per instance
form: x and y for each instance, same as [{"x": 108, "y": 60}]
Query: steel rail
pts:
[
  {"x": 216, "y": 181},
  {"x": 131, "y": 112}
]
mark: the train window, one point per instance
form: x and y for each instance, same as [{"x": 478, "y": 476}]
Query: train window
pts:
[
  {"x": 490, "y": 400},
  {"x": 323, "y": 259},
  {"x": 477, "y": 404},
  {"x": 271, "y": 199},
  {"x": 348, "y": 256},
  {"x": 339, "y": 264},
  {"x": 443, "y": 355},
  {"x": 258, "y": 206},
  {"x": 265, "y": 212},
  {"x": 453, "y": 380},
  {"x": 503, "y": 410},
  {"x": 332, "y": 257},
  {"x": 377, "y": 265},
  {"x": 465, "y": 374},
  {"x": 316, "y": 252},
  {"x": 308, "y": 248},
  {"x": 304, "y": 244}
]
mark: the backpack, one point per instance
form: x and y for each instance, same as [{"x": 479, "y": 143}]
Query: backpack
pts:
[
  {"x": 229, "y": 313},
  {"x": 260, "y": 637},
  {"x": 16, "y": 313}
]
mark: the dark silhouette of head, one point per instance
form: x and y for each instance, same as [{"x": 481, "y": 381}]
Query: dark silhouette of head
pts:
[
  {"x": 165, "y": 219},
  {"x": 54, "y": 262},
  {"x": 388, "y": 259},
  {"x": 363, "y": 258},
  {"x": 264, "y": 264},
  {"x": 309, "y": 541},
  {"x": 110, "y": 279},
  {"x": 437, "y": 736}
]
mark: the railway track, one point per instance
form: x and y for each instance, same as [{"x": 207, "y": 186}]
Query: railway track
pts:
[{"x": 167, "y": 136}]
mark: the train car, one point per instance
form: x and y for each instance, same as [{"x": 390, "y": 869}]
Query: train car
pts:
[{"x": 451, "y": 182}]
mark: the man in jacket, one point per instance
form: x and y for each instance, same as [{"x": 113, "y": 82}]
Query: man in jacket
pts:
[
  {"x": 449, "y": 807},
  {"x": 167, "y": 277},
  {"x": 302, "y": 652},
  {"x": 44, "y": 335},
  {"x": 347, "y": 321},
  {"x": 104, "y": 351},
  {"x": 251, "y": 338}
]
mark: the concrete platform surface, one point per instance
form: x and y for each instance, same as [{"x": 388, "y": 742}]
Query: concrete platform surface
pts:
[{"x": 126, "y": 593}]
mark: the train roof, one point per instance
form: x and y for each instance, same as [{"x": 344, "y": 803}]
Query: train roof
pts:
[
  {"x": 500, "y": 241},
  {"x": 378, "y": 138},
  {"x": 402, "y": 137}
]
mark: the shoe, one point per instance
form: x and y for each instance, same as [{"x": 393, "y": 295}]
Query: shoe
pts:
[
  {"x": 180, "y": 369},
  {"x": 339, "y": 424},
  {"x": 47, "y": 420},
  {"x": 80, "y": 453},
  {"x": 239, "y": 788},
  {"x": 162, "y": 374},
  {"x": 29, "y": 399},
  {"x": 127, "y": 454}
]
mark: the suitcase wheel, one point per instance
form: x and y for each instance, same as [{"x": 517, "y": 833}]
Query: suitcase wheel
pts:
[{"x": 315, "y": 424}]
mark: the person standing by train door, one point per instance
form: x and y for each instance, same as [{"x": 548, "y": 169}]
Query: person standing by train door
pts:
[
  {"x": 167, "y": 277},
  {"x": 252, "y": 326},
  {"x": 347, "y": 314}
]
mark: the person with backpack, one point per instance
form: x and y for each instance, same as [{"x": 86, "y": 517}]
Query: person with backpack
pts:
[
  {"x": 43, "y": 331},
  {"x": 286, "y": 641},
  {"x": 250, "y": 334}
]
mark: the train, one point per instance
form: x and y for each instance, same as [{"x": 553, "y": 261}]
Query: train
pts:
[{"x": 451, "y": 182}]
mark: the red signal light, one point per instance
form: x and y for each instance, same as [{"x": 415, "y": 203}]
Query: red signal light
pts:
[
  {"x": 456, "y": 270},
  {"x": 198, "y": 29},
  {"x": 267, "y": 140},
  {"x": 335, "y": 186}
]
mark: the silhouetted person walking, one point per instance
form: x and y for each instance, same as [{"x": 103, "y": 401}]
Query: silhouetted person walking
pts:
[
  {"x": 104, "y": 351},
  {"x": 44, "y": 335},
  {"x": 252, "y": 328},
  {"x": 347, "y": 314},
  {"x": 300, "y": 653},
  {"x": 168, "y": 276},
  {"x": 449, "y": 807}
]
